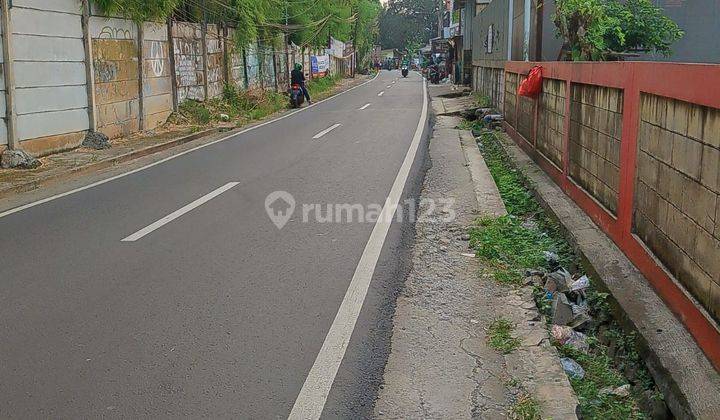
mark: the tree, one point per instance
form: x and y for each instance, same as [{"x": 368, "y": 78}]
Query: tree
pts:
[
  {"x": 597, "y": 30},
  {"x": 406, "y": 22}
]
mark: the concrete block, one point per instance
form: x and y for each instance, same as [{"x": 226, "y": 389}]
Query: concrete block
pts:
[
  {"x": 710, "y": 173},
  {"x": 687, "y": 156},
  {"x": 670, "y": 184},
  {"x": 707, "y": 252},
  {"x": 711, "y": 127},
  {"x": 714, "y": 298},
  {"x": 664, "y": 146},
  {"x": 677, "y": 116},
  {"x": 660, "y": 112},
  {"x": 694, "y": 278},
  {"x": 699, "y": 204},
  {"x": 681, "y": 230},
  {"x": 695, "y": 121}
]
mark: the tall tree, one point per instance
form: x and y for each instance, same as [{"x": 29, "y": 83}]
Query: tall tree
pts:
[{"x": 408, "y": 22}]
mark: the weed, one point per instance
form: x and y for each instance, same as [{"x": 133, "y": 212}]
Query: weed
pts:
[
  {"x": 526, "y": 408},
  {"x": 500, "y": 336},
  {"x": 510, "y": 247},
  {"x": 195, "y": 111},
  {"x": 317, "y": 87},
  {"x": 482, "y": 101},
  {"x": 599, "y": 374}
]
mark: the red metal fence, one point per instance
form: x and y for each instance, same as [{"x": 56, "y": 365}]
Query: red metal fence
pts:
[{"x": 613, "y": 136}]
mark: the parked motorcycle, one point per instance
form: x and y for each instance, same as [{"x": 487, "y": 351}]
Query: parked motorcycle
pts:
[
  {"x": 296, "y": 96},
  {"x": 433, "y": 75}
]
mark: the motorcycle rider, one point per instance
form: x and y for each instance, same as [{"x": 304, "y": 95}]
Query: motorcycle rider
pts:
[{"x": 298, "y": 78}]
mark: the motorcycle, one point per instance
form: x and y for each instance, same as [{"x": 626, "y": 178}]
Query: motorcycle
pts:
[
  {"x": 296, "y": 96},
  {"x": 405, "y": 71}
]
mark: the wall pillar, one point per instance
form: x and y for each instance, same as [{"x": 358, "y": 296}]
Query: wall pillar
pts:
[
  {"x": 9, "y": 71},
  {"x": 203, "y": 31},
  {"x": 171, "y": 57},
  {"x": 89, "y": 66},
  {"x": 141, "y": 75}
]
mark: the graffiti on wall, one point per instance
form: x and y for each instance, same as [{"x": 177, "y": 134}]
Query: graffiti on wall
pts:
[
  {"x": 493, "y": 40},
  {"x": 189, "y": 69},
  {"x": 157, "y": 57},
  {"x": 111, "y": 32}
]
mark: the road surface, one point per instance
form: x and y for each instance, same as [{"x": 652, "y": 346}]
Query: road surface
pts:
[{"x": 170, "y": 292}]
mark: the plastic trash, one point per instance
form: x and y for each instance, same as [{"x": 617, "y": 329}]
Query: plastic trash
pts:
[
  {"x": 580, "y": 284},
  {"x": 568, "y": 336},
  {"x": 572, "y": 368},
  {"x": 532, "y": 86}
]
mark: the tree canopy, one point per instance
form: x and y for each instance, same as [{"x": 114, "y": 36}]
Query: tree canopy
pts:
[
  {"x": 606, "y": 29},
  {"x": 406, "y": 23},
  {"x": 307, "y": 22}
]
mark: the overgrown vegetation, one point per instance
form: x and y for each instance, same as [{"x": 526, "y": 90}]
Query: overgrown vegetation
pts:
[
  {"x": 240, "y": 107},
  {"x": 526, "y": 408},
  {"x": 318, "y": 88},
  {"x": 596, "y": 30},
  {"x": 516, "y": 242},
  {"x": 306, "y": 22},
  {"x": 500, "y": 336}
]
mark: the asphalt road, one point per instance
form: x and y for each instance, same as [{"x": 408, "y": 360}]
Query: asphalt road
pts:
[{"x": 207, "y": 309}]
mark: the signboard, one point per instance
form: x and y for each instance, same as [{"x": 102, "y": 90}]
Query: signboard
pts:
[
  {"x": 319, "y": 65},
  {"x": 336, "y": 48}
]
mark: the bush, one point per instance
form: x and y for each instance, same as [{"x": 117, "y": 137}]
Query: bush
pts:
[{"x": 596, "y": 30}]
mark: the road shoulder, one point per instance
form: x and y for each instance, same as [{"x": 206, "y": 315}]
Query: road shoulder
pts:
[{"x": 441, "y": 365}]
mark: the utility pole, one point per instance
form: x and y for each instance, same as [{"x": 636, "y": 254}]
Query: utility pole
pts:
[
  {"x": 11, "y": 117},
  {"x": 441, "y": 7},
  {"x": 287, "y": 40}
]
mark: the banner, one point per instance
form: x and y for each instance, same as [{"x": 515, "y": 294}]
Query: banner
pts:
[
  {"x": 319, "y": 65},
  {"x": 337, "y": 48}
]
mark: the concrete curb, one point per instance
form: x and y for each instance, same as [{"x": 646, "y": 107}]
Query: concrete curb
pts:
[
  {"x": 107, "y": 163},
  {"x": 683, "y": 374}
]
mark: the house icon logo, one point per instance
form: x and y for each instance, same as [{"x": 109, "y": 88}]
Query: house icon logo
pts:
[{"x": 280, "y": 206}]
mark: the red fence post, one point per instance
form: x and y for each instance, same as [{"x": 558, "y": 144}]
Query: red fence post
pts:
[
  {"x": 628, "y": 153},
  {"x": 566, "y": 130}
]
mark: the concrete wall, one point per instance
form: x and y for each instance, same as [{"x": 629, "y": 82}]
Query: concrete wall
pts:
[
  {"x": 551, "y": 120},
  {"x": 595, "y": 131},
  {"x": 138, "y": 75},
  {"x": 49, "y": 63},
  {"x": 189, "y": 70},
  {"x": 489, "y": 50},
  {"x": 157, "y": 77},
  {"x": 216, "y": 61},
  {"x": 3, "y": 109},
  {"x": 115, "y": 65},
  {"x": 637, "y": 146},
  {"x": 677, "y": 207}
]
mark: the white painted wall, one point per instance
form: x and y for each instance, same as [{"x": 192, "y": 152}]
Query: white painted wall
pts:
[{"x": 49, "y": 65}]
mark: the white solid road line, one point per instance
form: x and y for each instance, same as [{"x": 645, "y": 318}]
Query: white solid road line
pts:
[
  {"x": 179, "y": 212},
  {"x": 327, "y": 130},
  {"x": 364, "y": 106},
  {"x": 175, "y": 156},
  {"x": 381, "y": 93},
  {"x": 313, "y": 395}
]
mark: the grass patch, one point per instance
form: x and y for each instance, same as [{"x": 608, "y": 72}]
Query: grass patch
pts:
[
  {"x": 516, "y": 242},
  {"x": 500, "y": 336},
  {"x": 318, "y": 88},
  {"x": 599, "y": 374},
  {"x": 241, "y": 106},
  {"x": 526, "y": 408},
  {"x": 511, "y": 246}
]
